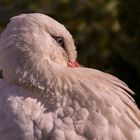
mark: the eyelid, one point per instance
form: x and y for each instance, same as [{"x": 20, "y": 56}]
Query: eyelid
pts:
[{"x": 55, "y": 37}]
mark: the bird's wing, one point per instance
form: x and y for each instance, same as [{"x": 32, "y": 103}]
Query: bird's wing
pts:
[
  {"x": 92, "y": 106},
  {"x": 109, "y": 111}
]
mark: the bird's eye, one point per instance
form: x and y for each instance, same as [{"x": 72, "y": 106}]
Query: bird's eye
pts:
[{"x": 59, "y": 40}]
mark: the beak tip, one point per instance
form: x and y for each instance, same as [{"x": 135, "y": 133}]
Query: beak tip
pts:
[{"x": 73, "y": 64}]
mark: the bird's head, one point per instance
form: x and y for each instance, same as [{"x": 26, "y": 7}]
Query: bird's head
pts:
[{"x": 31, "y": 45}]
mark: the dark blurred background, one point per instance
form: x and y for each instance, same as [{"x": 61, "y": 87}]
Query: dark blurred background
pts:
[{"x": 106, "y": 32}]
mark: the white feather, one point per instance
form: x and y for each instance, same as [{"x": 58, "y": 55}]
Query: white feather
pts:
[{"x": 41, "y": 98}]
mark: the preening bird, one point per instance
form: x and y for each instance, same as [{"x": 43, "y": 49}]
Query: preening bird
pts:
[{"x": 46, "y": 95}]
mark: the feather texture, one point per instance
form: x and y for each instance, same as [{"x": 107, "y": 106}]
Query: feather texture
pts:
[{"x": 43, "y": 99}]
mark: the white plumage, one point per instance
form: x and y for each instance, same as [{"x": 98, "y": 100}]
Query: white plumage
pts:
[{"x": 43, "y": 98}]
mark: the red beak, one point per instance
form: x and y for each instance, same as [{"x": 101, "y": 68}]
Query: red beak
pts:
[{"x": 73, "y": 64}]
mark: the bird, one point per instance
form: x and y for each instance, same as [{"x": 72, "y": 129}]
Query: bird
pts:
[{"x": 45, "y": 94}]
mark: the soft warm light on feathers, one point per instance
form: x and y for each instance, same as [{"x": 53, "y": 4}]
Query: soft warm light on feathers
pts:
[{"x": 42, "y": 97}]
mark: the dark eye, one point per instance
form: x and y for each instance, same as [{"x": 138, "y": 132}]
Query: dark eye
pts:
[{"x": 59, "y": 40}]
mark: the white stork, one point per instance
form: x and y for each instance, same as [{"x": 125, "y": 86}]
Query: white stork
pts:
[{"x": 45, "y": 95}]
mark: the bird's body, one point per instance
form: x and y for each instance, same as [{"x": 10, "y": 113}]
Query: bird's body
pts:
[{"x": 41, "y": 98}]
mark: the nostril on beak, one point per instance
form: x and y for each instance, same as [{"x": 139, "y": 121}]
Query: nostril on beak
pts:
[{"x": 1, "y": 76}]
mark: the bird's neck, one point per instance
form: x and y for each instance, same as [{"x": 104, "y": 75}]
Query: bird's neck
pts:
[
  {"x": 49, "y": 79},
  {"x": 45, "y": 77}
]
